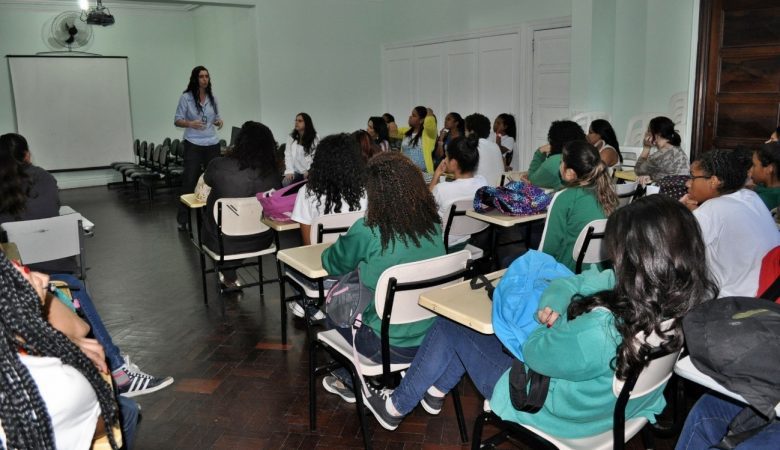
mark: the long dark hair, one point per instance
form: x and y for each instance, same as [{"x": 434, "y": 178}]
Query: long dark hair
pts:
[
  {"x": 509, "y": 124},
  {"x": 561, "y": 132},
  {"x": 664, "y": 127},
  {"x": 658, "y": 256},
  {"x": 255, "y": 148},
  {"x": 336, "y": 173},
  {"x": 392, "y": 176},
  {"x": 193, "y": 86},
  {"x": 26, "y": 420},
  {"x": 380, "y": 128},
  {"x": 460, "y": 123},
  {"x": 729, "y": 166},
  {"x": 309, "y": 134},
  {"x": 13, "y": 194},
  {"x": 591, "y": 171},
  {"x": 366, "y": 145},
  {"x": 604, "y": 129},
  {"x": 422, "y": 112}
]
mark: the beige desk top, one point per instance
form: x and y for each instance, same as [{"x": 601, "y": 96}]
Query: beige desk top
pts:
[
  {"x": 628, "y": 175},
  {"x": 191, "y": 201},
  {"x": 281, "y": 226},
  {"x": 503, "y": 220},
  {"x": 687, "y": 370},
  {"x": 306, "y": 259},
  {"x": 470, "y": 307}
]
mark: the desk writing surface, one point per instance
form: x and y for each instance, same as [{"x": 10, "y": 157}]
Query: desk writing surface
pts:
[
  {"x": 306, "y": 259},
  {"x": 687, "y": 370},
  {"x": 281, "y": 226},
  {"x": 191, "y": 201},
  {"x": 628, "y": 175},
  {"x": 503, "y": 220},
  {"x": 458, "y": 302},
  {"x": 86, "y": 224}
]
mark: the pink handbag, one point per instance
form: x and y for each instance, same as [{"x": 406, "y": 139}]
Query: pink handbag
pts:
[{"x": 278, "y": 203}]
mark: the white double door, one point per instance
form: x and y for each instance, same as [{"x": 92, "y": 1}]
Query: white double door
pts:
[{"x": 482, "y": 74}]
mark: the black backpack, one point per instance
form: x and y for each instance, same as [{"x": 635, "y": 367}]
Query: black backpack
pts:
[{"x": 736, "y": 341}]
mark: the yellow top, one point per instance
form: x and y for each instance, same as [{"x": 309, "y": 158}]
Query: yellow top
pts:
[{"x": 428, "y": 140}]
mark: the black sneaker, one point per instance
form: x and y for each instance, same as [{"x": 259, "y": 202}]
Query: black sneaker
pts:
[
  {"x": 377, "y": 404},
  {"x": 333, "y": 385},
  {"x": 432, "y": 404},
  {"x": 140, "y": 382}
]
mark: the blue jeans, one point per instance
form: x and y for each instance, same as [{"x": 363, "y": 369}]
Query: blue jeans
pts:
[
  {"x": 369, "y": 344},
  {"x": 128, "y": 410},
  {"x": 708, "y": 423},
  {"x": 113, "y": 355},
  {"x": 448, "y": 351}
]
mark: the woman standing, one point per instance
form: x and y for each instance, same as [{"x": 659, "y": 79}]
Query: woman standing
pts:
[
  {"x": 299, "y": 151},
  {"x": 248, "y": 169},
  {"x": 198, "y": 114},
  {"x": 662, "y": 156}
]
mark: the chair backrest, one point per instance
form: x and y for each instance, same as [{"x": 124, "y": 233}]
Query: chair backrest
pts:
[
  {"x": 458, "y": 223},
  {"x": 626, "y": 193},
  {"x": 549, "y": 210},
  {"x": 584, "y": 119},
  {"x": 678, "y": 107},
  {"x": 401, "y": 285},
  {"x": 657, "y": 372},
  {"x": 328, "y": 227},
  {"x": 239, "y": 216},
  {"x": 588, "y": 248},
  {"x": 48, "y": 239}
]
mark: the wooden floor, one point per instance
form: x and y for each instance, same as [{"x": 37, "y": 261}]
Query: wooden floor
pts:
[{"x": 236, "y": 386}]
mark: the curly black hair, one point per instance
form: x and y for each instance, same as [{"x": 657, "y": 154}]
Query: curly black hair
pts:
[
  {"x": 561, "y": 132},
  {"x": 399, "y": 202},
  {"x": 337, "y": 173},
  {"x": 729, "y": 166},
  {"x": 26, "y": 420},
  {"x": 657, "y": 253}
]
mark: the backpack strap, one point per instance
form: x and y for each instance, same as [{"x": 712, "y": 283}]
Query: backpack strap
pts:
[
  {"x": 481, "y": 281},
  {"x": 538, "y": 385},
  {"x": 744, "y": 426}
]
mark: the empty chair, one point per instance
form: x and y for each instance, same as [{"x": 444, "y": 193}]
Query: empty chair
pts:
[
  {"x": 626, "y": 193},
  {"x": 584, "y": 119},
  {"x": 50, "y": 239},
  {"x": 397, "y": 292}
]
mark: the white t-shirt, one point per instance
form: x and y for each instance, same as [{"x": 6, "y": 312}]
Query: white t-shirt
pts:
[
  {"x": 70, "y": 400},
  {"x": 506, "y": 142},
  {"x": 295, "y": 158},
  {"x": 738, "y": 232},
  {"x": 491, "y": 162},
  {"x": 306, "y": 208},
  {"x": 447, "y": 192}
]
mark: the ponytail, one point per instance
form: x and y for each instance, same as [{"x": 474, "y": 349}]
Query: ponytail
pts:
[{"x": 584, "y": 160}]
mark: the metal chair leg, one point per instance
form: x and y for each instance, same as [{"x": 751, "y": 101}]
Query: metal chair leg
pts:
[
  {"x": 283, "y": 304},
  {"x": 361, "y": 410},
  {"x": 312, "y": 384},
  {"x": 260, "y": 271},
  {"x": 464, "y": 436}
]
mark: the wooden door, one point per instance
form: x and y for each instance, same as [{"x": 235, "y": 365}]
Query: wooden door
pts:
[{"x": 738, "y": 74}]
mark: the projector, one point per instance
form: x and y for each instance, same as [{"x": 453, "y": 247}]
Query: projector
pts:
[{"x": 99, "y": 17}]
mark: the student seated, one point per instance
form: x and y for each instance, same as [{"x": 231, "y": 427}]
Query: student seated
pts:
[
  {"x": 335, "y": 185},
  {"x": 735, "y": 224},
  {"x": 543, "y": 171},
  {"x": 366, "y": 144},
  {"x": 505, "y": 135},
  {"x": 392, "y": 127},
  {"x": 491, "y": 162},
  {"x": 53, "y": 394},
  {"x": 586, "y": 332},
  {"x": 393, "y": 232},
  {"x": 602, "y": 136},
  {"x": 765, "y": 174},
  {"x": 377, "y": 129},
  {"x": 587, "y": 196},
  {"x": 249, "y": 168},
  {"x": 661, "y": 156},
  {"x": 28, "y": 193},
  {"x": 454, "y": 127},
  {"x": 461, "y": 161},
  {"x": 299, "y": 149}
]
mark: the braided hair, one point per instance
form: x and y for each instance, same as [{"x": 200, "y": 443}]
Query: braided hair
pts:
[
  {"x": 23, "y": 412},
  {"x": 14, "y": 188},
  {"x": 399, "y": 202}
]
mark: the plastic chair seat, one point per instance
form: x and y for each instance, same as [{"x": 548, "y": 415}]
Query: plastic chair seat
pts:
[
  {"x": 334, "y": 340},
  {"x": 232, "y": 257},
  {"x": 305, "y": 284},
  {"x": 602, "y": 441}
]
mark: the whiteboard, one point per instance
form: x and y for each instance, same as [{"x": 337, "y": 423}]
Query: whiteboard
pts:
[{"x": 73, "y": 111}]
